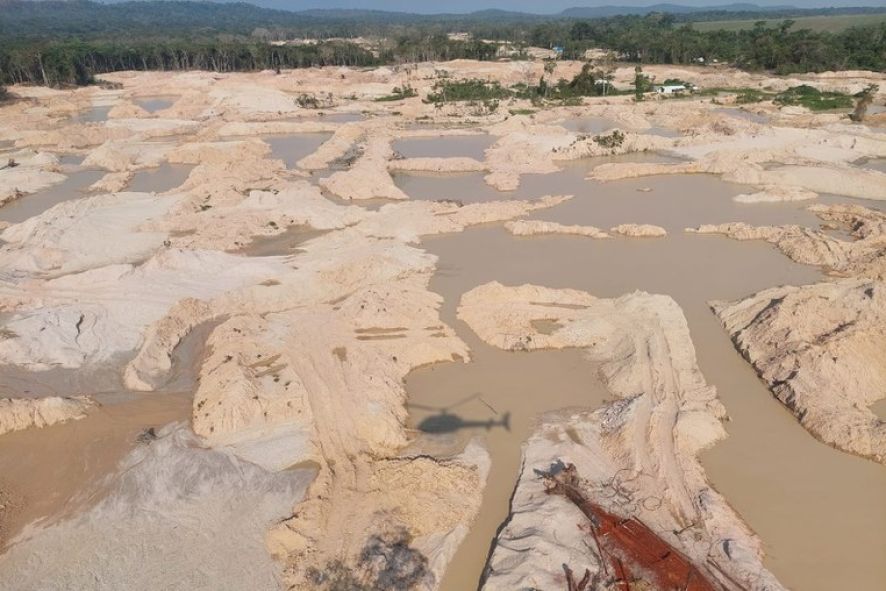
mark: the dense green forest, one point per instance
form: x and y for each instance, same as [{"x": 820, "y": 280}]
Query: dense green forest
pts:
[{"x": 57, "y": 43}]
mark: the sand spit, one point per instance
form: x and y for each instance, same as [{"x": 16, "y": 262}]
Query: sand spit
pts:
[
  {"x": 22, "y": 413},
  {"x": 368, "y": 178},
  {"x": 639, "y": 230},
  {"x": 536, "y": 227},
  {"x": 113, "y": 182},
  {"x": 775, "y": 194},
  {"x": 819, "y": 347},
  {"x": 637, "y": 455}
]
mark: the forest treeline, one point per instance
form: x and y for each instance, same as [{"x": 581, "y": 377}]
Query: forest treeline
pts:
[{"x": 85, "y": 39}]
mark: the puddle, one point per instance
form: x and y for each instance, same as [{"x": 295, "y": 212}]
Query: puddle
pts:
[
  {"x": 878, "y": 164},
  {"x": 742, "y": 114},
  {"x": 589, "y": 125},
  {"x": 73, "y": 187},
  {"x": 154, "y": 104},
  {"x": 92, "y": 115},
  {"x": 284, "y": 243},
  {"x": 813, "y": 506},
  {"x": 292, "y": 148},
  {"x": 342, "y": 117},
  {"x": 161, "y": 179},
  {"x": 662, "y": 131},
  {"x": 447, "y": 146}
]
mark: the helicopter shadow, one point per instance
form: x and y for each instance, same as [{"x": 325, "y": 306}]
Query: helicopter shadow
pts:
[{"x": 444, "y": 421}]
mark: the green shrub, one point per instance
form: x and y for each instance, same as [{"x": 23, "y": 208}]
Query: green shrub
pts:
[
  {"x": 813, "y": 99},
  {"x": 398, "y": 94},
  {"x": 610, "y": 140},
  {"x": 467, "y": 90}
]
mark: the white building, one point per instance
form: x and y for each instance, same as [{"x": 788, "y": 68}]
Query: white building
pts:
[{"x": 671, "y": 89}]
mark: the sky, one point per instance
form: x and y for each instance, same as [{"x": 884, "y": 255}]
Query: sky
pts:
[{"x": 537, "y": 6}]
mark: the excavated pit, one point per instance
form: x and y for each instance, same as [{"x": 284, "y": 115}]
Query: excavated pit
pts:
[{"x": 769, "y": 463}]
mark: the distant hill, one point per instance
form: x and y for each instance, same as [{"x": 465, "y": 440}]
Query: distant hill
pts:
[
  {"x": 606, "y": 11},
  {"x": 56, "y": 19}
]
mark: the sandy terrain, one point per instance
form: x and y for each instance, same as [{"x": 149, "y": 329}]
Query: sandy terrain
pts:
[{"x": 296, "y": 469}]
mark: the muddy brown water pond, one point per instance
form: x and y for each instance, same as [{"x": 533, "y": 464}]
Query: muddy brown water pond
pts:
[
  {"x": 154, "y": 104},
  {"x": 73, "y": 187},
  {"x": 292, "y": 148},
  {"x": 161, "y": 179},
  {"x": 342, "y": 117},
  {"x": 447, "y": 146},
  {"x": 674, "y": 202},
  {"x": 285, "y": 243},
  {"x": 818, "y": 511},
  {"x": 92, "y": 115},
  {"x": 878, "y": 164}
]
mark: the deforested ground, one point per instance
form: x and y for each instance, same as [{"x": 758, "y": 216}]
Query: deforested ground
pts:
[{"x": 250, "y": 340}]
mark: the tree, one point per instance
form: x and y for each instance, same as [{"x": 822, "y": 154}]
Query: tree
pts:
[
  {"x": 865, "y": 98},
  {"x": 550, "y": 68},
  {"x": 642, "y": 83}
]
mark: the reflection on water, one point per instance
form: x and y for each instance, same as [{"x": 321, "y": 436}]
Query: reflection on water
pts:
[
  {"x": 452, "y": 146},
  {"x": 819, "y": 511}
]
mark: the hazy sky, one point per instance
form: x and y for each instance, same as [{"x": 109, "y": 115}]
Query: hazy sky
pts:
[{"x": 546, "y": 6}]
